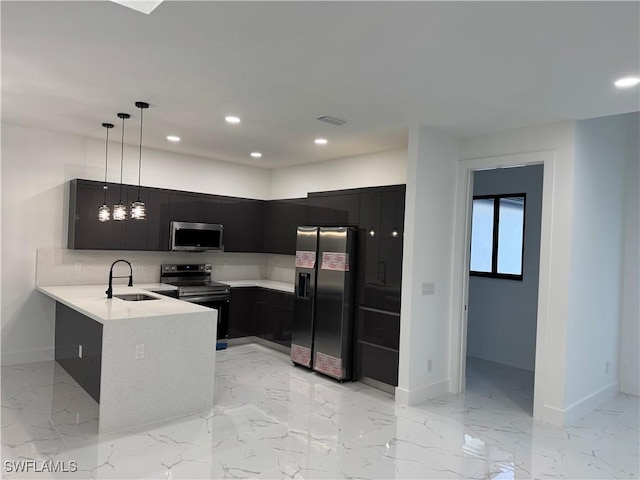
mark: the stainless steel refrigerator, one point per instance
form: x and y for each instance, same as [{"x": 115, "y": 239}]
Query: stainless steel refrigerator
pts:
[{"x": 322, "y": 334}]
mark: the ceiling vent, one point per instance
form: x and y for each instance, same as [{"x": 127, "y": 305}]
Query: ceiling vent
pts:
[{"x": 338, "y": 122}]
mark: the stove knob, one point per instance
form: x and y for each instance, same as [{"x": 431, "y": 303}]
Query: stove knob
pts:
[
  {"x": 166, "y": 268},
  {"x": 201, "y": 267},
  {"x": 173, "y": 268},
  {"x": 207, "y": 267}
]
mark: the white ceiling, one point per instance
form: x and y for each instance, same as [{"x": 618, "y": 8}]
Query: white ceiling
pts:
[{"x": 463, "y": 67}]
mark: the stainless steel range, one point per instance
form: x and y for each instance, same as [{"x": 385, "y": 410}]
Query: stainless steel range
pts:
[{"x": 195, "y": 285}]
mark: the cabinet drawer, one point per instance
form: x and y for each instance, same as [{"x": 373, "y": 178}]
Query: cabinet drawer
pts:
[
  {"x": 378, "y": 363},
  {"x": 378, "y": 327}
]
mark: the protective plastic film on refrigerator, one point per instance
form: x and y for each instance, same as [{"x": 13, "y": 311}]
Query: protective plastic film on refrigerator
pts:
[{"x": 324, "y": 300}]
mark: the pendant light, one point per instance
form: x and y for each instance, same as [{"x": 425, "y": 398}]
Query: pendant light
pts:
[
  {"x": 104, "y": 212},
  {"x": 138, "y": 210},
  {"x": 120, "y": 209}
]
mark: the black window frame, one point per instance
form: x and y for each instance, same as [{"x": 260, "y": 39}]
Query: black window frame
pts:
[{"x": 496, "y": 226}]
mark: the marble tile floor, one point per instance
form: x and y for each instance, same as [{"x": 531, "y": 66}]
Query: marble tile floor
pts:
[{"x": 274, "y": 420}]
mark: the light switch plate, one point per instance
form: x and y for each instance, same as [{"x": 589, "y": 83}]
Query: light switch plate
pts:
[{"x": 428, "y": 288}]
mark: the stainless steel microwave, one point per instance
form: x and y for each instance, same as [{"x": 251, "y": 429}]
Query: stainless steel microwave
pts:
[{"x": 196, "y": 237}]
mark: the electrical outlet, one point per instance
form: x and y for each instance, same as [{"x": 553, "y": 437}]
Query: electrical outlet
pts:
[
  {"x": 79, "y": 351},
  {"x": 77, "y": 266},
  {"x": 429, "y": 365},
  {"x": 140, "y": 351}
]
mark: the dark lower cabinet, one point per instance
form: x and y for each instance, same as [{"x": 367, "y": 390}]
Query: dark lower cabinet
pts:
[
  {"x": 242, "y": 312},
  {"x": 261, "y": 312},
  {"x": 378, "y": 363},
  {"x": 72, "y": 332},
  {"x": 275, "y": 316},
  {"x": 377, "y": 346}
]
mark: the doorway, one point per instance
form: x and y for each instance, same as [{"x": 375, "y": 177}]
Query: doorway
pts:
[
  {"x": 504, "y": 259},
  {"x": 544, "y": 356}
]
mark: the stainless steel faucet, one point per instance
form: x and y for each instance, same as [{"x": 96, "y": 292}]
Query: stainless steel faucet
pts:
[{"x": 109, "y": 291}]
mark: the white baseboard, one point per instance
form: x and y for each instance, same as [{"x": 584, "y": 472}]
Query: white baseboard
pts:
[
  {"x": 577, "y": 410},
  {"x": 27, "y": 356},
  {"x": 421, "y": 394},
  {"x": 580, "y": 408}
]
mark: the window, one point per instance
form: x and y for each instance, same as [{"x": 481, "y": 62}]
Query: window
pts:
[{"x": 497, "y": 233}]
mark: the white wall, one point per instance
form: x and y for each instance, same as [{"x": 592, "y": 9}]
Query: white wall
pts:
[
  {"x": 502, "y": 313},
  {"x": 36, "y": 168},
  {"x": 427, "y": 257},
  {"x": 595, "y": 310},
  {"x": 630, "y": 327},
  {"x": 555, "y": 143},
  {"x": 384, "y": 168}
]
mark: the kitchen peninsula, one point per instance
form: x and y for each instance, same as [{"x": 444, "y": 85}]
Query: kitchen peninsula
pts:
[{"x": 142, "y": 361}]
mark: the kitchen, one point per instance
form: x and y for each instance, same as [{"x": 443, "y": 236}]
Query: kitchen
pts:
[{"x": 39, "y": 161}]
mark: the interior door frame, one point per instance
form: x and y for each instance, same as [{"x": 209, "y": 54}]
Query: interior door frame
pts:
[{"x": 462, "y": 249}]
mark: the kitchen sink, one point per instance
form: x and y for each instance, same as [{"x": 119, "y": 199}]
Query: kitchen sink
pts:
[{"x": 136, "y": 297}]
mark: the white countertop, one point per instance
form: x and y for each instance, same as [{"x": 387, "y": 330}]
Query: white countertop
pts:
[
  {"x": 270, "y": 284},
  {"x": 92, "y": 301}
]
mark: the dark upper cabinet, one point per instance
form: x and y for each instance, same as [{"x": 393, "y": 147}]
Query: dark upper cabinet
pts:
[
  {"x": 281, "y": 220},
  {"x": 85, "y": 231},
  {"x": 243, "y": 222},
  {"x": 381, "y": 236},
  {"x": 114, "y": 232},
  {"x": 325, "y": 209},
  {"x": 136, "y": 231},
  {"x": 194, "y": 207},
  {"x": 157, "y": 202}
]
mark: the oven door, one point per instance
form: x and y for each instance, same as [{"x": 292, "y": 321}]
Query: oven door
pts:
[{"x": 222, "y": 306}]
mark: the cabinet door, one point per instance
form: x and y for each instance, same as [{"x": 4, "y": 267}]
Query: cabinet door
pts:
[
  {"x": 378, "y": 363},
  {"x": 390, "y": 257},
  {"x": 157, "y": 219},
  {"x": 136, "y": 230},
  {"x": 85, "y": 231},
  {"x": 243, "y": 222},
  {"x": 73, "y": 329},
  {"x": 242, "y": 312},
  {"x": 282, "y": 218},
  {"x": 369, "y": 268},
  {"x": 114, "y": 233},
  {"x": 184, "y": 207},
  {"x": 275, "y": 316},
  {"x": 336, "y": 210}
]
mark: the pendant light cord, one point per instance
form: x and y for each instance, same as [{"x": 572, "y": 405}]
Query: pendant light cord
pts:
[
  {"x": 121, "y": 160},
  {"x": 106, "y": 159},
  {"x": 140, "y": 153}
]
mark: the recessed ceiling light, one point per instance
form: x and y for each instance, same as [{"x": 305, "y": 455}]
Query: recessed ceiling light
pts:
[
  {"x": 321, "y": 141},
  {"x": 626, "y": 82},
  {"x": 173, "y": 138},
  {"x": 232, "y": 119},
  {"x": 256, "y": 154}
]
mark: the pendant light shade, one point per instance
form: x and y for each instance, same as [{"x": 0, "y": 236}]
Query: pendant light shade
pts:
[
  {"x": 120, "y": 209},
  {"x": 138, "y": 209},
  {"x": 104, "y": 212}
]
